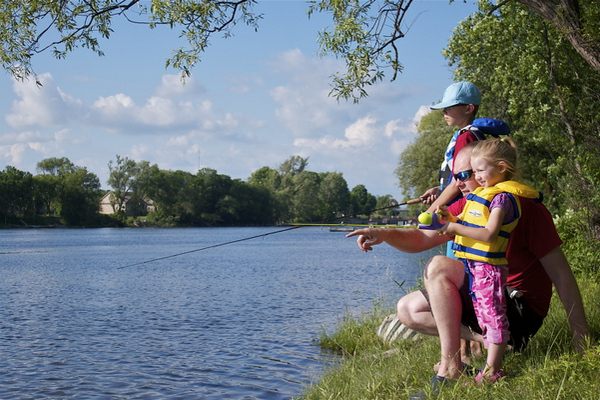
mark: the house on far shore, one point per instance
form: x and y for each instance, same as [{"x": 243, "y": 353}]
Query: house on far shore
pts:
[{"x": 106, "y": 206}]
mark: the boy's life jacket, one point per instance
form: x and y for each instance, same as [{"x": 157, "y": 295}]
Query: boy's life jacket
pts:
[
  {"x": 479, "y": 127},
  {"x": 476, "y": 214}
]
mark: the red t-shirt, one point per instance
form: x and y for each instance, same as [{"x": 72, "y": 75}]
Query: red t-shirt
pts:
[
  {"x": 461, "y": 141},
  {"x": 533, "y": 238}
]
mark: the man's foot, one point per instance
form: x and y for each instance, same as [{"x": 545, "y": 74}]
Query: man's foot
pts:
[
  {"x": 434, "y": 388},
  {"x": 467, "y": 369},
  {"x": 475, "y": 349}
]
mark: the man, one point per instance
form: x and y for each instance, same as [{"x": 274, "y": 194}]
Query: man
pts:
[{"x": 535, "y": 263}]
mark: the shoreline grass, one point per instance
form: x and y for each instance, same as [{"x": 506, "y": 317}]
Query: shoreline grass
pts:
[{"x": 549, "y": 368}]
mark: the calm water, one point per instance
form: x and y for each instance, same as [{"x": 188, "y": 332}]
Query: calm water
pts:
[{"x": 233, "y": 322}]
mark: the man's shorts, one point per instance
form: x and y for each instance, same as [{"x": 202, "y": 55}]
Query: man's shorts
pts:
[{"x": 523, "y": 321}]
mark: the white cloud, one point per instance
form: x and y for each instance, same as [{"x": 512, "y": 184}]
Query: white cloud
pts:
[
  {"x": 13, "y": 154},
  {"x": 186, "y": 127},
  {"x": 178, "y": 141},
  {"x": 305, "y": 105},
  {"x": 140, "y": 151},
  {"x": 173, "y": 86},
  {"x": 21, "y": 137},
  {"x": 362, "y": 134},
  {"x": 421, "y": 112},
  {"x": 176, "y": 108},
  {"x": 61, "y": 135},
  {"x": 403, "y": 132},
  {"x": 41, "y": 106}
]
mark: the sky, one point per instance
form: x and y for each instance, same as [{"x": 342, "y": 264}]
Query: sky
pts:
[{"x": 256, "y": 99}]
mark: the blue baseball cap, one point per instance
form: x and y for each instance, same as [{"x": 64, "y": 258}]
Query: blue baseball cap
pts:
[{"x": 459, "y": 93}]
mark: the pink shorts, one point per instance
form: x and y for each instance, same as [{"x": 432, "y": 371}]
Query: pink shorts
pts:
[{"x": 489, "y": 290}]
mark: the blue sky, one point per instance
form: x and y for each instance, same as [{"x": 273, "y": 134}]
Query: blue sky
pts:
[{"x": 256, "y": 99}]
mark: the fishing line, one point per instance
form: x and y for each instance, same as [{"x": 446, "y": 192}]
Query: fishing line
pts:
[{"x": 296, "y": 226}]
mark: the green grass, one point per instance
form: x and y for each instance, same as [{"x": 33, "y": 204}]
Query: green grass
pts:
[{"x": 548, "y": 369}]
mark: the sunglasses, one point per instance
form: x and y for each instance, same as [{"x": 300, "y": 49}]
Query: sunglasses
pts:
[{"x": 463, "y": 175}]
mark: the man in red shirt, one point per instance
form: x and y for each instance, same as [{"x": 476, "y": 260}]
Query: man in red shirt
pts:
[{"x": 536, "y": 261}]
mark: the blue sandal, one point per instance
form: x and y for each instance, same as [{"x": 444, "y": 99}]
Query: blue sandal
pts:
[{"x": 434, "y": 388}]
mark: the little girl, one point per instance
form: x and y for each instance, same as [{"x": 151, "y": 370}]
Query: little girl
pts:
[{"x": 481, "y": 238}]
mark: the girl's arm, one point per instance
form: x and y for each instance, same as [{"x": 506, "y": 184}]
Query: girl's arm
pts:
[
  {"x": 487, "y": 234},
  {"x": 446, "y": 215}
]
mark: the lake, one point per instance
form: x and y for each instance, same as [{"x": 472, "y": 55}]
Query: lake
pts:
[{"x": 238, "y": 321}]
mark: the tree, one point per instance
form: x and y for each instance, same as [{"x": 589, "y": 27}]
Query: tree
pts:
[
  {"x": 210, "y": 188},
  {"x": 293, "y": 165},
  {"x": 334, "y": 196},
  {"x": 550, "y": 101},
  {"x": 172, "y": 192},
  {"x": 55, "y": 166},
  {"x": 141, "y": 186},
  {"x": 46, "y": 193},
  {"x": 265, "y": 177},
  {"x": 253, "y": 204},
  {"x": 16, "y": 193},
  {"x": 79, "y": 195},
  {"x": 271, "y": 180},
  {"x": 361, "y": 201},
  {"x": 420, "y": 162},
  {"x": 384, "y": 205},
  {"x": 577, "y": 20},
  {"x": 32, "y": 27},
  {"x": 304, "y": 201},
  {"x": 48, "y": 183},
  {"x": 121, "y": 179},
  {"x": 70, "y": 191},
  {"x": 364, "y": 32}
]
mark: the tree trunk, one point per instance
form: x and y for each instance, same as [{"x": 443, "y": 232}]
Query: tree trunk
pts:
[{"x": 565, "y": 16}]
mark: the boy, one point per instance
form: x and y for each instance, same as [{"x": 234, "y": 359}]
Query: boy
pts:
[{"x": 459, "y": 105}]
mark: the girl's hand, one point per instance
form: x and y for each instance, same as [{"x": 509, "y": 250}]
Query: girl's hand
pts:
[{"x": 444, "y": 214}]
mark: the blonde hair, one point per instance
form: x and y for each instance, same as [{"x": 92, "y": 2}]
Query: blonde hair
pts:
[{"x": 496, "y": 151}]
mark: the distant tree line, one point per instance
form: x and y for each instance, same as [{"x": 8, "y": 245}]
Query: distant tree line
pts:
[
  {"x": 61, "y": 190},
  {"x": 64, "y": 193}
]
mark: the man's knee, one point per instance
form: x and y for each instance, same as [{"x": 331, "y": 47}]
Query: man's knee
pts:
[
  {"x": 442, "y": 267},
  {"x": 410, "y": 305}
]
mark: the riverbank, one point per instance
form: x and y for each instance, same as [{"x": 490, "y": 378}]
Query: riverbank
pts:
[{"x": 548, "y": 369}]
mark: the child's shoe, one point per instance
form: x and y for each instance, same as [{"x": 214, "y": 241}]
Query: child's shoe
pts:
[{"x": 481, "y": 379}]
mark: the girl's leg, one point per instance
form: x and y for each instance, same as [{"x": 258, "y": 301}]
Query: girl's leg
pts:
[
  {"x": 489, "y": 284},
  {"x": 494, "y": 359}
]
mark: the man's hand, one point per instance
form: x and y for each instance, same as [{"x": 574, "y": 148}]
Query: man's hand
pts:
[{"x": 369, "y": 237}]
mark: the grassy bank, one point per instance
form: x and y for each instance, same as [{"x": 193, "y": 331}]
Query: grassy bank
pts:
[{"x": 548, "y": 369}]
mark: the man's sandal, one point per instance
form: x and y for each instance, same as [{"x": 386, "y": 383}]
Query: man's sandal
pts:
[{"x": 434, "y": 388}]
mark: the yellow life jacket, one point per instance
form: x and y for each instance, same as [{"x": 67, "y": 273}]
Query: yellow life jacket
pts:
[{"x": 476, "y": 214}]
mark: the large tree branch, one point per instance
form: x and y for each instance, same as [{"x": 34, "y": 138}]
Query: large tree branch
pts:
[
  {"x": 89, "y": 19},
  {"x": 566, "y": 17}
]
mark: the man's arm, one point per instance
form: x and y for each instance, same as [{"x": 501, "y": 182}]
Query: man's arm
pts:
[
  {"x": 408, "y": 240},
  {"x": 558, "y": 269}
]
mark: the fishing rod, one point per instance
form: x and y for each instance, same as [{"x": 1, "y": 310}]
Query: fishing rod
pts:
[{"x": 296, "y": 226}]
